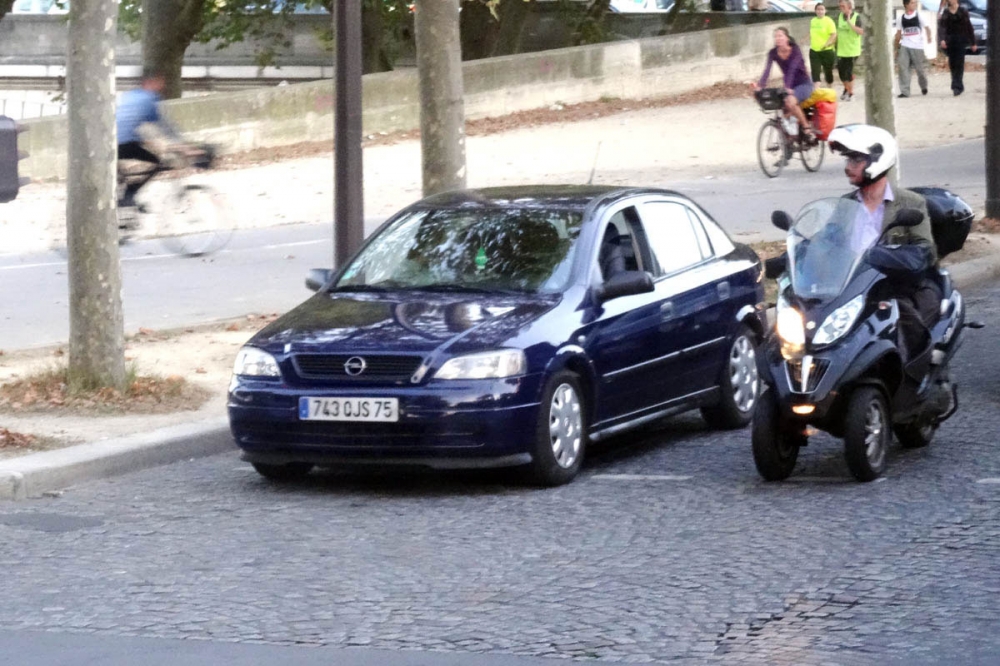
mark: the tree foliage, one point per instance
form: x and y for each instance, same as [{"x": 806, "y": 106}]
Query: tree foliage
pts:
[{"x": 5, "y": 7}]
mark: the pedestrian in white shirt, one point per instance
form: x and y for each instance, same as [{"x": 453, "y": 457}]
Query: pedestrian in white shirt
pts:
[{"x": 911, "y": 33}]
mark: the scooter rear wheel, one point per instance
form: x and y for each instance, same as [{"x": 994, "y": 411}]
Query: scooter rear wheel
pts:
[
  {"x": 867, "y": 433},
  {"x": 774, "y": 450}
]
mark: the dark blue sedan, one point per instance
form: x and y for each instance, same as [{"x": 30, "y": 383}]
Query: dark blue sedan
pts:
[{"x": 504, "y": 327}]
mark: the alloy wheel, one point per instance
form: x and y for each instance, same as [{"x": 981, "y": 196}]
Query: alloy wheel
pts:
[{"x": 565, "y": 425}]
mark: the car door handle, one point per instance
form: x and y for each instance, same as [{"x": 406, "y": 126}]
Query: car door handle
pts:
[
  {"x": 724, "y": 290},
  {"x": 666, "y": 311}
]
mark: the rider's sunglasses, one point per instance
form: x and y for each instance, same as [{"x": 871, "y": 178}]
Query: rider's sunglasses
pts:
[{"x": 857, "y": 159}]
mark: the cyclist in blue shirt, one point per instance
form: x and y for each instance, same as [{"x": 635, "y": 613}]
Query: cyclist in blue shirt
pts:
[{"x": 135, "y": 108}]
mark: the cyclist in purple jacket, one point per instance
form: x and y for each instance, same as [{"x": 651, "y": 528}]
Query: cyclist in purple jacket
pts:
[{"x": 798, "y": 83}]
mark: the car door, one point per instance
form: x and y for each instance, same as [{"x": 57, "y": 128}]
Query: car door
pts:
[
  {"x": 689, "y": 282},
  {"x": 622, "y": 339}
]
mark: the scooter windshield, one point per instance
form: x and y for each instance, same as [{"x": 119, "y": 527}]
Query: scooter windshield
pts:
[{"x": 825, "y": 246}]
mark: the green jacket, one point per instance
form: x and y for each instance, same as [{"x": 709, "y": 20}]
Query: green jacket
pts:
[{"x": 918, "y": 235}]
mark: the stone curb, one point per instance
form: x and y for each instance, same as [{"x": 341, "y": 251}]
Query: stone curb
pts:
[{"x": 35, "y": 474}]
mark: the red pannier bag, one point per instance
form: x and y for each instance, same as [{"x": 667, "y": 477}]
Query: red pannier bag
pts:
[{"x": 825, "y": 119}]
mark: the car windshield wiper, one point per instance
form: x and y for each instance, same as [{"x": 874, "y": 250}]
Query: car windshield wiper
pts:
[
  {"x": 372, "y": 288},
  {"x": 461, "y": 288}
]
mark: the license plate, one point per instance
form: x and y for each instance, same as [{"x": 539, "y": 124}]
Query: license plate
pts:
[{"x": 349, "y": 409}]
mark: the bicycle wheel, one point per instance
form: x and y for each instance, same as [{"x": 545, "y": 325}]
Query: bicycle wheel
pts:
[
  {"x": 194, "y": 222},
  {"x": 772, "y": 149},
  {"x": 812, "y": 155}
]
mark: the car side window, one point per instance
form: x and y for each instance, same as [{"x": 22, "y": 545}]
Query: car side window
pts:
[
  {"x": 672, "y": 237},
  {"x": 621, "y": 244}
]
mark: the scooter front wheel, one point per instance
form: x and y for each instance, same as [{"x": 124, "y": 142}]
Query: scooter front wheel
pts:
[
  {"x": 774, "y": 450},
  {"x": 867, "y": 433}
]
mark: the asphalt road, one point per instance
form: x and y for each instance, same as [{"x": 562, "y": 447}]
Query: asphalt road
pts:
[
  {"x": 667, "y": 549},
  {"x": 263, "y": 270}
]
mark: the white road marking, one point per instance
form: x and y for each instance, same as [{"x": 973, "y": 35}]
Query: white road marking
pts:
[
  {"x": 295, "y": 244},
  {"x": 642, "y": 477},
  {"x": 992, "y": 480}
]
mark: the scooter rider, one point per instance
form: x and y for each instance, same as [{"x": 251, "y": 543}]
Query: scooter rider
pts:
[{"x": 906, "y": 254}]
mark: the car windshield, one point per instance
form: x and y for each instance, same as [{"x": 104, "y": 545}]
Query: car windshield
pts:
[
  {"x": 470, "y": 249},
  {"x": 823, "y": 248}
]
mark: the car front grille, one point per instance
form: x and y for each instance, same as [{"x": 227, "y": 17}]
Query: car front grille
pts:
[
  {"x": 816, "y": 372},
  {"x": 377, "y": 367}
]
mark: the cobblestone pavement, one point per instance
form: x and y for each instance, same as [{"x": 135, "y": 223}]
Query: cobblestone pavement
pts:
[{"x": 667, "y": 549}]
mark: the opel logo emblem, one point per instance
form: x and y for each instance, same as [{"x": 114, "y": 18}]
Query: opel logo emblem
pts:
[{"x": 354, "y": 366}]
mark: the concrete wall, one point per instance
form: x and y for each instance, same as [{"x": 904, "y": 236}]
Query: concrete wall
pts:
[{"x": 284, "y": 115}]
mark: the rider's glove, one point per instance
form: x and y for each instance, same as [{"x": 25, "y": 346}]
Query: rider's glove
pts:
[{"x": 900, "y": 261}]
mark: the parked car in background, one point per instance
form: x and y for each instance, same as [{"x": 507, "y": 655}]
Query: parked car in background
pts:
[
  {"x": 506, "y": 327},
  {"x": 653, "y": 6}
]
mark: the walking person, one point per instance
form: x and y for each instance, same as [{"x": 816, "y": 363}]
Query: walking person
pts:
[
  {"x": 849, "y": 32},
  {"x": 956, "y": 34},
  {"x": 822, "y": 36},
  {"x": 910, "y": 42}
]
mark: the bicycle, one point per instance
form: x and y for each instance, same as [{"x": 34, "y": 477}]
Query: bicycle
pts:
[
  {"x": 190, "y": 220},
  {"x": 780, "y": 138}
]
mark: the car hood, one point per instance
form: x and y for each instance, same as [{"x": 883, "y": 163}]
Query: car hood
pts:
[{"x": 407, "y": 322}]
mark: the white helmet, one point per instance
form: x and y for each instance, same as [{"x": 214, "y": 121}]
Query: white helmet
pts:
[{"x": 875, "y": 144}]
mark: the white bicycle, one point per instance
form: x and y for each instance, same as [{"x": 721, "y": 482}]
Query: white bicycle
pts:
[{"x": 190, "y": 218}]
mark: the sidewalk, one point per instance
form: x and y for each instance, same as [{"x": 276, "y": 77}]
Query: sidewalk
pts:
[{"x": 640, "y": 147}]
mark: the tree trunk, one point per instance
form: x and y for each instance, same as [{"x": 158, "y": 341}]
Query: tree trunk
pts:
[
  {"x": 512, "y": 14},
  {"x": 168, "y": 27},
  {"x": 442, "y": 108},
  {"x": 478, "y": 29},
  {"x": 373, "y": 56},
  {"x": 96, "y": 326},
  {"x": 877, "y": 53}
]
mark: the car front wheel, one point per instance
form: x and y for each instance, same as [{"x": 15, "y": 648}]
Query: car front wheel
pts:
[{"x": 560, "y": 433}]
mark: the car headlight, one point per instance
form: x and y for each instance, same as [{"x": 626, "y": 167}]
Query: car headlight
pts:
[
  {"x": 254, "y": 362},
  {"x": 790, "y": 327},
  {"x": 839, "y": 321},
  {"x": 489, "y": 365}
]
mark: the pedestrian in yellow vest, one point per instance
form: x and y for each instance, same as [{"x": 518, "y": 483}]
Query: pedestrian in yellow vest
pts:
[
  {"x": 849, "y": 32},
  {"x": 822, "y": 35}
]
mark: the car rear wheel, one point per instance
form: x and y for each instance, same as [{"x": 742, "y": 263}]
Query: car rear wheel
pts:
[
  {"x": 287, "y": 472},
  {"x": 560, "y": 434},
  {"x": 739, "y": 384}
]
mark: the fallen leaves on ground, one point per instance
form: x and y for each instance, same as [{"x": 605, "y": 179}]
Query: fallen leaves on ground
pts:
[
  {"x": 555, "y": 113},
  {"x": 50, "y": 392},
  {"x": 987, "y": 225},
  {"x": 15, "y": 440}
]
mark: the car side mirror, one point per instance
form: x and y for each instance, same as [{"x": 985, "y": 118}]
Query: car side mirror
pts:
[
  {"x": 626, "y": 283},
  {"x": 318, "y": 278},
  {"x": 781, "y": 219}
]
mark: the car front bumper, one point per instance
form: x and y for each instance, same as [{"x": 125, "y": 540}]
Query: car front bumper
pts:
[{"x": 476, "y": 423}]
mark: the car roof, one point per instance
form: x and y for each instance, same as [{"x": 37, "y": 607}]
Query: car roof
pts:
[{"x": 572, "y": 197}]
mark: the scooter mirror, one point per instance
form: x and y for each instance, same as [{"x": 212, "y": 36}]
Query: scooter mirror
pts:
[{"x": 781, "y": 219}]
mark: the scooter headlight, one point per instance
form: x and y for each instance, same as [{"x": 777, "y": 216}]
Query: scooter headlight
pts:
[
  {"x": 839, "y": 321},
  {"x": 790, "y": 327}
]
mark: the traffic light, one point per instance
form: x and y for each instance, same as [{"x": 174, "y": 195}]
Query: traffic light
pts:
[{"x": 10, "y": 182}]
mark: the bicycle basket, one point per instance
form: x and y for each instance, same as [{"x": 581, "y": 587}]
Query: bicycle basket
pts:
[{"x": 770, "y": 99}]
